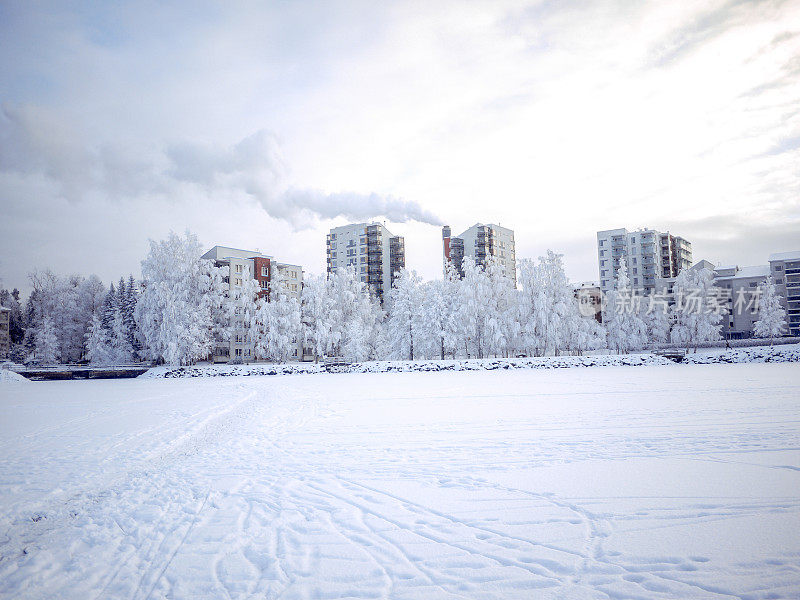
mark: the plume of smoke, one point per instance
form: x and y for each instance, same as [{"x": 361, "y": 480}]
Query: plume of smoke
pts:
[{"x": 35, "y": 141}]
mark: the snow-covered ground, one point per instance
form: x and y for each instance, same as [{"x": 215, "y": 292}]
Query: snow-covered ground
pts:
[{"x": 676, "y": 481}]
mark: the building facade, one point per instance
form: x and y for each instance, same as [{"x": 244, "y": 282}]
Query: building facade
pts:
[
  {"x": 372, "y": 250},
  {"x": 785, "y": 270},
  {"x": 5, "y": 331},
  {"x": 248, "y": 263},
  {"x": 648, "y": 254},
  {"x": 590, "y": 300},
  {"x": 480, "y": 242},
  {"x": 740, "y": 286}
]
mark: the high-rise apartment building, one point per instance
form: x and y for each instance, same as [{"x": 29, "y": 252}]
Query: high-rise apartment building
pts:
[
  {"x": 372, "y": 250},
  {"x": 648, "y": 255},
  {"x": 262, "y": 268},
  {"x": 785, "y": 270},
  {"x": 480, "y": 242}
]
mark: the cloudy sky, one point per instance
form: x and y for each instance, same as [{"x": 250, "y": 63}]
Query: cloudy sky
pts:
[{"x": 262, "y": 125}]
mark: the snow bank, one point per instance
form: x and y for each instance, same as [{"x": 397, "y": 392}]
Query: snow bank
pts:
[
  {"x": 755, "y": 354},
  {"x": 7, "y": 376},
  {"x": 739, "y": 355}
]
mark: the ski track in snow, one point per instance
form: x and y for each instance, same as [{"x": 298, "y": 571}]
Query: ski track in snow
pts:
[{"x": 658, "y": 482}]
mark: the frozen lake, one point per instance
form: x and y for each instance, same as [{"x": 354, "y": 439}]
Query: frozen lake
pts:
[{"x": 623, "y": 482}]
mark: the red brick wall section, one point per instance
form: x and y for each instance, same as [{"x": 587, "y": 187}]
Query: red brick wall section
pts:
[{"x": 259, "y": 263}]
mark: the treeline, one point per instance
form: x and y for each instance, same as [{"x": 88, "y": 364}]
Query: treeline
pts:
[
  {"x": 63, "y": 315},
  {"x": 183, "y": 310}
]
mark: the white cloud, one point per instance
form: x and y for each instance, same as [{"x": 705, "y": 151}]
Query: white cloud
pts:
[{"x": 555, "y": 120}]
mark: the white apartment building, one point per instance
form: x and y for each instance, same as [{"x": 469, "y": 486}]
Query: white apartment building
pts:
[
  {"x": 648, "y": 255},
  {"x": 785, "y": 270},
  {"x": 261, "y": 267},
  {"x": 479, "y": 242},
  {"x": 372, "y": 250}
]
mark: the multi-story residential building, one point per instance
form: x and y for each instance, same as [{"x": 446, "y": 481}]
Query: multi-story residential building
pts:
[
  {"x": 740, "y": 285},
  {"x": 5, "y": 329},
  {"x": 480, "y": 242},
  {"x": 372, "y": 250},
  {"x": 590, "y": 300},
  {"x": 647, "y": 253},
  {"x": 785, "y": 270},
  {"x": 261, "y": 267}
]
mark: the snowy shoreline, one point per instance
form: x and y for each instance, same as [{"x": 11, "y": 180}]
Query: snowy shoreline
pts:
[{"x": 757, "y": 354}]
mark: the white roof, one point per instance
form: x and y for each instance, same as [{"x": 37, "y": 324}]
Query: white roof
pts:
[
  {"x": 785, "y": 256},
  {"x": 745, "y": 272}
]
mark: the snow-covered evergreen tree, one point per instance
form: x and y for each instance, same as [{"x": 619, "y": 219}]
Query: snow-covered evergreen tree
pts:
[
  {"x": 128, "y": 315},
  {"x": 174, "y": 309},
  {"x": 120, "y": 342},
  {"x": 771, "y": 313}
]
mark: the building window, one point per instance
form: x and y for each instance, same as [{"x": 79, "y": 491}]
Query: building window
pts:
[
  {"x": 636, "y": 280},
  {"x": 633, "y": 260},
  {"x": 778, "y": 268},
  {"x": 263, "y": 271},
  {"x": 602, "y": 263},
  {"x": 635, "y": 270},
  {"x": 779, "y": 280},
  {"x": 602, "y": 242}
]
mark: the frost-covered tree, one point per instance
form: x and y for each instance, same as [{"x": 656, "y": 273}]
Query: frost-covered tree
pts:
[
  {"x": 315, "y": 308},
  {"x": 98, "y": 349},
  {"x": 128, "y": 314},
  {"x": 120, "y": 341},
  {"x": 473, "y": 292},
  {"x": 404, "y": 324},
  {"x": 696, "y": 314},
  {"x": 500, "y": 319},
  {"x": 548, "y": 312},
  {"x": 352, "y": 317},
  {"x": 241, "y": 304},
  {"x": 278, "y": 326},
  {"x": 47, "y": 350},
  {"x": 625, "y": 329},
  {"x": 174, "y": 309},
  {"x": 771, "y": 313},
  {"x": 655, "y": 314},
  {"x": 437, "y": 314},
  {"x": 16, "y": 326}
]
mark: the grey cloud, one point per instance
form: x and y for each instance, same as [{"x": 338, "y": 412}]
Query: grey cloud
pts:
[
  {"x": 34, "y": 141},
  {"x": 740, "y": 239}
]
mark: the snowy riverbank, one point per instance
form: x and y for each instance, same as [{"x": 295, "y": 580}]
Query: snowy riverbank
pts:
[{"x": 756, "y": 354}]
